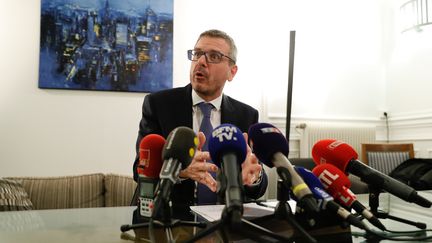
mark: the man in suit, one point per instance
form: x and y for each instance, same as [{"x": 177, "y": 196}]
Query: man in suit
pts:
[{"x": 213, "y": 62}]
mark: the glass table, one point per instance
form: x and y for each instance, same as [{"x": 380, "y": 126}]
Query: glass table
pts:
[{"x": 103, "y": 224}]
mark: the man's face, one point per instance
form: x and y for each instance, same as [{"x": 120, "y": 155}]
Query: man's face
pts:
[{"x": 208, "y": 79}]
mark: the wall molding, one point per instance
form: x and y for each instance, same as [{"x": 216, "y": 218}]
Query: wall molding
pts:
[
  {"x": 296, "y": 133},
  {"x": 411, "y": 115},
  {"x": 416, "y": 126}
]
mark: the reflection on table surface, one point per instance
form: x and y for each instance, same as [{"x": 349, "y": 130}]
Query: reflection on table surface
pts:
[
  {"x": 64, "y": 225},
  {"x": 401, "y": 209},
  {"x": 103, "y": 224}
]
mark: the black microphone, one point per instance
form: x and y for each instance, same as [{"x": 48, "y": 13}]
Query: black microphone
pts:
[
  {"x": 344, "y": 157},
  {"x": 271, "y": 148},
  {"x": 227, "y": 148},
  {"x": 177, "y": 154}
]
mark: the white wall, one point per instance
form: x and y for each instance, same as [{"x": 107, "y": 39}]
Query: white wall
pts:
[
  {"x": 338, "y": 53},
  {"x": 408, "y": 97},
  {"x": 339, "y": 74},
  {"x": 56, "y": 132}
]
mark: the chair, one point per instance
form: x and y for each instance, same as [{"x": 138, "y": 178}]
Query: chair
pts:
[{"x": 386, "y": 157}]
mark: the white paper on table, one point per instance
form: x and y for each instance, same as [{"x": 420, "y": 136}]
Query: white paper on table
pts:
[{"x": 214, "y": 212}]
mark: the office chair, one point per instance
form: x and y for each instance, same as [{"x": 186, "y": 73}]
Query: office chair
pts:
[{"x": 386, "y": 157}]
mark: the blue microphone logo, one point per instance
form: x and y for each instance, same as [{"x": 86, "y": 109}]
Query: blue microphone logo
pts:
[{"x": 225, "y": 133}]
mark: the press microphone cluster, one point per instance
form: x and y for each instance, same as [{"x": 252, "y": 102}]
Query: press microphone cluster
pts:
[
  {"x": 344, "y": 157},
  {"x": 337, "y": 184},
  {"x": 149, "y": 167},
  {"x": 271, "y": 147},
  {"x": 177, "y": 154},
  {"x": 325, "y": 200}
]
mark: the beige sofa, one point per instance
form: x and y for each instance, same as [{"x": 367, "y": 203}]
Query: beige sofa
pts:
[{"x": 81, "y": 191}]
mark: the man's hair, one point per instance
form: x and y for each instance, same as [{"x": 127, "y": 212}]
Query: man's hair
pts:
[{"x": 220, "y": 34}]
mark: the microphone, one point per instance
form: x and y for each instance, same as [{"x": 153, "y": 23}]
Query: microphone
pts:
[
  {"x": 227, "y": 148},
  {"x": 344, "y": 157},
  {"x": 338, "y": 184},
  {"x": 271, "y": 148},
  {"x": 150, "y": 163},
  {"x": 177, "y": 154},
  {"x": 325, "y": 200}
]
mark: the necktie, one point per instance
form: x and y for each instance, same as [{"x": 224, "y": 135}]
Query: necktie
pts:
[
  {"x": 204, "y": 194},
  {"x": 206, "y": 126}
]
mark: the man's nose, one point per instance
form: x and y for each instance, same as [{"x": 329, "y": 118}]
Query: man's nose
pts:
[{"x": 202, "y": 60}]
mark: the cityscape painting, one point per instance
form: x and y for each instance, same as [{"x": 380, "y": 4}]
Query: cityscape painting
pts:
[{"x": 115, "y": 45}]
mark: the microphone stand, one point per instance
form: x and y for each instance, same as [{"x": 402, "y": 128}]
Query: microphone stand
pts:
[
  {"x": 166, "y": 221},
  {"x": 374, "y": 193},
  {"x": 232, "y": 218},
  {"x": 283, "y": 210}
]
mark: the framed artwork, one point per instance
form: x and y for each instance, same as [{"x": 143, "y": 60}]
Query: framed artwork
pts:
[{"x": 112, "y": 45}]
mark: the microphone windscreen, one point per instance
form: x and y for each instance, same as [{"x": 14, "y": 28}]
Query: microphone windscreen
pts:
[
  {"x": 333, "y": 178},
  {"x": 266, "y": 140},
  {"x": 333, "y": 151},
  {"x": 150, "y": 155},
  {"x": 180, "y": 144},
  {"x": 227, "y": 138}
]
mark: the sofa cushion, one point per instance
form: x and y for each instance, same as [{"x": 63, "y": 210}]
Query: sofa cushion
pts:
[
  {"x": 13, "y": 196},
  {"x": 82, "y": 191},
  {"x": 119, "y": 190}
]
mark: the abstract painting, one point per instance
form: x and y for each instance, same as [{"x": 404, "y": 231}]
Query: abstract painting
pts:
[{"x": 113, "y": 45}]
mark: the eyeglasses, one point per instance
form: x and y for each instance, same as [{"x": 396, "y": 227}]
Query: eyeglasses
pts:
[{"x": 211, "y": 56}]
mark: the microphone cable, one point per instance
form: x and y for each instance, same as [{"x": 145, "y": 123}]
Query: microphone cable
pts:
[
  {"x": 409, "y": 231},
  {"x": 387, "y": 127},
  {"x": 393, "y": 235}
]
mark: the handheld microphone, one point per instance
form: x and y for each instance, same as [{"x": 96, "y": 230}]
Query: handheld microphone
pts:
[
  {"x": 325, "y": 200},
  {"x": 227, "y": 148},
  {"x": 338, "y": 184},
  {"x": 344, "y": 157},
  {"x": 177, "y": 154},
  {"x": 271, "y": 148},
  {"x": 150, "y": 163}
]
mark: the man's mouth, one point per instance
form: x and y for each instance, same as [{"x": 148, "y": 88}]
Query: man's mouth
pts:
[{"x": 200, "y": 74}]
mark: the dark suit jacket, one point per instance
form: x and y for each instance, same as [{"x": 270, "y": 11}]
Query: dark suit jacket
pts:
[{"x": 165, "y": 110}]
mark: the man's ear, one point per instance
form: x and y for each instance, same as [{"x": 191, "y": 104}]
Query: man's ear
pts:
[{"x": 232, "y": 72}]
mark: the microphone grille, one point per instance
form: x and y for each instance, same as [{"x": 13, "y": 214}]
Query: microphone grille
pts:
[
  {"x": 181, "y": 144},
  {"x": 150, "y": 155},
  {"x": 333, "y": 151},
  {"x": 266, "y": 140}
]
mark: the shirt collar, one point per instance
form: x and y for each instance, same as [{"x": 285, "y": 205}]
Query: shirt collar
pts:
[{"x": 196, "y": 99}]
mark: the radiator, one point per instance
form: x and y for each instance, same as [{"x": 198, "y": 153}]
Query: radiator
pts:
[{"x": 352, "y": 135}]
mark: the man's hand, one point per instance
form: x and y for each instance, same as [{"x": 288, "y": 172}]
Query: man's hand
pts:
[
  {"x": 199, "y": 168},
  {"x": 251, "y": 168}
]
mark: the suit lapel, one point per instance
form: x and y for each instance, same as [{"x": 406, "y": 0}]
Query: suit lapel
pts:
[
  {"x": 185, "y": 110},
  {"x": 226, "y": 108}
]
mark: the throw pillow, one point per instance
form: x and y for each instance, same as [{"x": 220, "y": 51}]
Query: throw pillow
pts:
[{"x": 13, "y": 197}]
